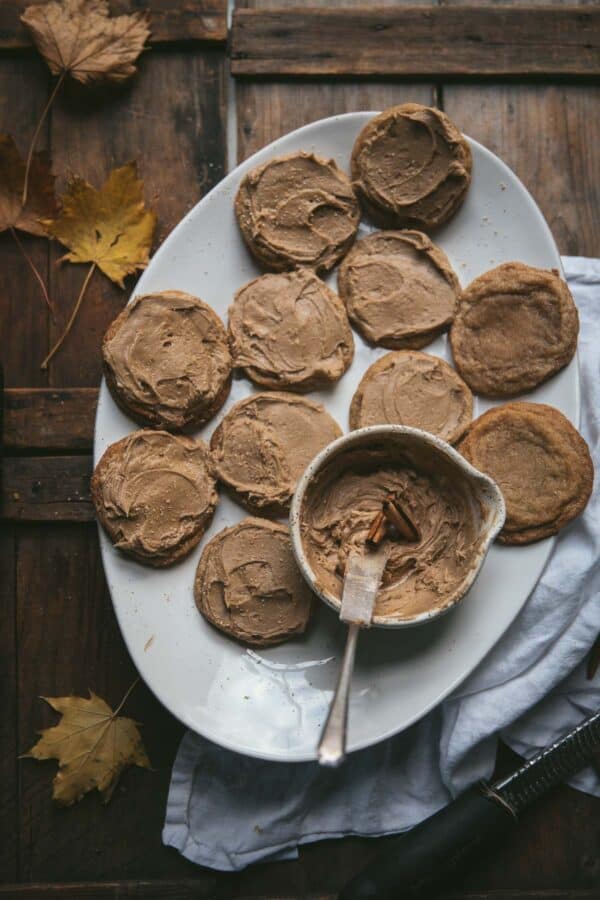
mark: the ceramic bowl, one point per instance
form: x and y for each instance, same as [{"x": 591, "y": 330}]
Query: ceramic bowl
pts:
[{"x": 427, "y": 454}]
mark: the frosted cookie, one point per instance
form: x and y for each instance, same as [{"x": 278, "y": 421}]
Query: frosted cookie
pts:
[
  {"x": 411, "y": 166},
  {"x": 249, "y": 586},
  {"x": 399, "y": 289},
  {"x": 515, "y": 327},
  {"x": 290, "y": 330},
  {"x": 297, "y": 210},
  {"x": 155, "y": 494},
  {"x": 167, "y": 361},
  {"x": 264, "y": 444},
  {"x": 540, "y": 462},
  {"x": 415, "y": 389}
]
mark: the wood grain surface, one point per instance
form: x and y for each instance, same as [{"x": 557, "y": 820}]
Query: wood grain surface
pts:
[
  {"x": 24, "y": 320},
  {"x": 548, "y": 134},
  {"x": 171, "y": 119},
  {"x": 202, "y": 20},
  {"x": 58, "y": 632},
  {"x": 269, "y": 109},
  {"x": 47, "y": 489},
  {"x": 482, "y": 40},
  {"x": 48, "y": 419}
]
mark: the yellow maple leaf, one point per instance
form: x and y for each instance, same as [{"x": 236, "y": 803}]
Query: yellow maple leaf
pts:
[
  {"x": 81, "y": 39},
  {"x": 110, "y": 228},
  {"x": 92, "y": 744}
]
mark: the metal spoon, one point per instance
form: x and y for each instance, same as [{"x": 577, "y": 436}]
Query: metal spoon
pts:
[{"x": 364, "y": 570}]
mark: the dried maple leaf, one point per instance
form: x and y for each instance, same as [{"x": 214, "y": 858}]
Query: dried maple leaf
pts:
[
  {"x": 81, "y": 39},
  {"x": 25, "y": 215},
  {"x": 110, "y": 227},
  {"x": 41, "y": 201},
  {"x": 92, "y": 744}
]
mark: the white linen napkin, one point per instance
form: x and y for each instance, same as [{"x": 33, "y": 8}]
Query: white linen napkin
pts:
[{"x": 226, "y": 811}]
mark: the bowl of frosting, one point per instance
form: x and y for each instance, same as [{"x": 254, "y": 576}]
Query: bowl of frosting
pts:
[{"x": 452, "y": 513}]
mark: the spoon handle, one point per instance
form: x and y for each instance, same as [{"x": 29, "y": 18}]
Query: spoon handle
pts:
[{"x": 332, "y": 746}]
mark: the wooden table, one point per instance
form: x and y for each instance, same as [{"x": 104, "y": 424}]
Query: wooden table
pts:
[{"x": 522, "y": 81}]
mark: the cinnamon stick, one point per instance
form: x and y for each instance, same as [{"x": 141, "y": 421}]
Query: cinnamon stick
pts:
[
  {"x": 401, "y": 521},
  {"x": 377, "y": 530}
]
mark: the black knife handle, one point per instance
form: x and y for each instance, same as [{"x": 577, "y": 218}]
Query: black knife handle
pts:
[{"x": 422, "y": 858}]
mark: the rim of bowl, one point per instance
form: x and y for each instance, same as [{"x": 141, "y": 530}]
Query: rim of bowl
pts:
[{"x": 489, "y": 492}]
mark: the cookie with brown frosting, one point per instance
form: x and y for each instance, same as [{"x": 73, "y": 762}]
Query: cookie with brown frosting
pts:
[
  {"x": 515, "y": 327},
  {"x": 155, "y": 494},
  {"x": 249, "y": 586},
  {"x": 167, "y": 361},
  {"x": 399, "y": 289},
  {"x": 297, "y": 210},
  {"x": 416, "y": 389},
  {"x": 541, "y": 463},
  {"x": 264, "y": 444},
  {"x": 411, "y": 166},
  {"x": 289, "y": 330}
]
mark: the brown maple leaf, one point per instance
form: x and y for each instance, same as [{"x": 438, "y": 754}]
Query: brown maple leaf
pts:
[
  {"x": 81, "y": 39},
  {"x": 93, "y": 745},
  {"x": 15, "y": 215},
  {"x": 41, "y": 200},
  {"x": 109, "y": 228}
]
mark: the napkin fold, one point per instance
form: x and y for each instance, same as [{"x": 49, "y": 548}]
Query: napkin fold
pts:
[{"x": 226, "y": 811}]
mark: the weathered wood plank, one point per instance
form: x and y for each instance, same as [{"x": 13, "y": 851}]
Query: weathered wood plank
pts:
[
  {"x": 191, "y": 889},
  {"x": 171, "y": 117},
  {"x": 23, "y": 312},
  {"x": 184, "y": 889},
  {"x": 46, "y": 489},
  {"x": 417, "y": 41},
  {"x": 47, "y": 419},
  {"x": 202, "y": 20},
  {"x": 69, "y": 641},
  {"x": 550, "y": 136},
  {"x": 9, "y": 804},
  {"x": 267, "y": 110}
]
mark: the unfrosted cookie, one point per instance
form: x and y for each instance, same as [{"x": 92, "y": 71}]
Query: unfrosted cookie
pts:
[
  {"x": 297, "y": 210},
  {"x": 540, "y": 462},
  {"x": 290, "y": 330},
  {"x": 399, "y": 289},
  {"x": 515, "y": 327},
  {"x": 155, "y": 494},
  {"x": 167, "y": 361},
  {"x": 264, "y": 444},
  {"x": 249, "y": 586},
  {"x": 411, "y": 166},
  {"x": 416, "y": 389}
]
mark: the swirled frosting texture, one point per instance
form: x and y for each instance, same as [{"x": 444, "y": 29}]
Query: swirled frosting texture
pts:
[
  {"x": 297, "y": 210},
  {"x": 155, "y": 494},
  {"x": 416, "y": 389},
  {"x": 265, "y": 442},
  {"x": 248, "y": 585},
  {"x": 167, "y": 360},
  {"x": 515, "y": 327},
  {"x": 419, "y": 576},
  {"x": 290, "y": 330},
  {"x": 411, "y": 166},
  {"x": 399, "y": 289}
]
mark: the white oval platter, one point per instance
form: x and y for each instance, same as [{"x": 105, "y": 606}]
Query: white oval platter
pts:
[{"x": 272, "y": 703}]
